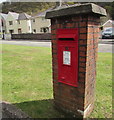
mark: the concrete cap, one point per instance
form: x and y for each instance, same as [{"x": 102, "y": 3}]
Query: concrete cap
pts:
[{"x": 88, "y": 8}]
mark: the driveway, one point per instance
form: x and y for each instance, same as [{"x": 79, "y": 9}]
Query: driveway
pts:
[{"x": 104, "y": 45}]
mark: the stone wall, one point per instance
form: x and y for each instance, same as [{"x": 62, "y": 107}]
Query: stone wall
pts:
[{"x": 44, "y": 36}]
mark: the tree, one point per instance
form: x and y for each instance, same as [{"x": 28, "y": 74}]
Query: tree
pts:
[{"x": 112, "y": 11}]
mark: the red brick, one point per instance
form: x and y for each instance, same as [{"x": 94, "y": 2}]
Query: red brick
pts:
[
  {"x": 83, "y": 24},
  {"x": 81, "y": 69},
  {"x": 90, "y": 36},
  {"x": 90, "y": 30},
  {"x": 90, "y": 24},
  {"x": 81, "y": 64},
  {"x": 75, "y": 25},
  {"x": 83, "y": 30},
  {"x": 82, "y": 54},
  {"x": 73, "y": 98},
  {"x": 70, "y": 25},
  {"x": 82, "y": 48},
  {"x": 82, "y": 75},
  {"x": 82, "y": 59},
  {"x": 82, "y": 36}
]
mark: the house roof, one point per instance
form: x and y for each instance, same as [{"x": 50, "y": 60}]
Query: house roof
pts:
[
  {"x": 23, "y": 16},
  {"x": 42, "y": 14},
  {"x": 3, "y": 15},
  {"x": 109, "y": 21},
  {"x": 15, "y": 15}
]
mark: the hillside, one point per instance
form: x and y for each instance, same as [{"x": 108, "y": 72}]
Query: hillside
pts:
[
  {"x": 30, "y": 8},
  {"x": 35, "y": 7}
]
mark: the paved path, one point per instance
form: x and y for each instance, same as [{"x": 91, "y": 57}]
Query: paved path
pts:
[
  {"x": 27, "y": 43},
  {"x": 5, "y": 114},
  {"x": 11, "y": 111},
  {"x": 104, "y": 46}
]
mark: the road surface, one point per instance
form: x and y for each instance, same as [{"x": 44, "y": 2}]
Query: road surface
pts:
[
  {"x": 104, "y": 45},
  {"x": 27, "y": 43}
]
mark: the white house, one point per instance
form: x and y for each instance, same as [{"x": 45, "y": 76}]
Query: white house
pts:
[
  {"x": 18, "y": 23},
  {"x": 109, "y": 23},
  {"x": 40, "y": 24},
  {"x": 24, "y": 23},
  {"x": 11, "y": 23},
  {"x": 3, "y": 22}
]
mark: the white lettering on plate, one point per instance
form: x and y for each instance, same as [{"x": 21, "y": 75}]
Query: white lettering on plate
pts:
[{"x": 66, "y": 57}]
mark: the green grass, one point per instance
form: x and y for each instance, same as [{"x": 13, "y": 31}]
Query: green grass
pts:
[
  {"x": 26, "y": 73},
  {"x": 103, "y": 101},
  {"x": 27, "y": 82}
]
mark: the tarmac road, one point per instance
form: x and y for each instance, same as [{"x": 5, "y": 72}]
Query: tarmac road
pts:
[
  {"x": 105, "y": 45},
  {"x": 105, "y": 48},
  {"x": 26, "y": 43}
]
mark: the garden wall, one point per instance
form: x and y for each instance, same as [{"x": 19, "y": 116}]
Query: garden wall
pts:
[{"x": 44, "y": 36}]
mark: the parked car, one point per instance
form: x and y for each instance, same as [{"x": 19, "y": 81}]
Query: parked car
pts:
[{"x": 108, "y": 33}]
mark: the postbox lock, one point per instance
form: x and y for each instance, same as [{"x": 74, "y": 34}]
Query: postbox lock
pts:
[
  {"x": 63, "y": 78},
  {"x": 66, "y": 48}
]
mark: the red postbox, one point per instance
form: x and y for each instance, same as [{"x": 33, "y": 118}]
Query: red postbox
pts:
[{"x": 68, "y": 56}]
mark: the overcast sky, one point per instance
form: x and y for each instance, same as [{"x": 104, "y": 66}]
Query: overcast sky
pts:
[{"x": 2, "y": 1}]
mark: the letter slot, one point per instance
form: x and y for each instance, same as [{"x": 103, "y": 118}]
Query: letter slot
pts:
[{"x": 66, "y": 37}]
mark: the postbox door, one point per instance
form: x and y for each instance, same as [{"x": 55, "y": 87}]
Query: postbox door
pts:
[{"x": 68, "y": 64}]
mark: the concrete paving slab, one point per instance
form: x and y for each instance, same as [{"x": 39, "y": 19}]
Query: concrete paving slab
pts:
[{"x": 11, "y": 111}]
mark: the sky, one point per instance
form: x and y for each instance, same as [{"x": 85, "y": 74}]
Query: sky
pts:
[{"x": 2, "y": 1}]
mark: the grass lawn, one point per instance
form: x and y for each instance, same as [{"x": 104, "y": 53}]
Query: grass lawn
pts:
[{"x": 27, "y": 82}]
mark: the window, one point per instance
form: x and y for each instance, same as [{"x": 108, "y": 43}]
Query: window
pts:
[
  {"x": 34, "y": 30},
  {"x": 18, "y": 22},
  {"x": 33, "y": 20},
  {"x": 41, "y": 29},
  {"x": 44, "y": 29},
  {"x": 11, "y": 31},
  {"x": 19, "y": 31},
  {"x": 2, "y": 23},
  {"x": 10, "y": 22}
]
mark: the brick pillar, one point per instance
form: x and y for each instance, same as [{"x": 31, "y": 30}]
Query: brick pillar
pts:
[{"x": 79, "y": 101}]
